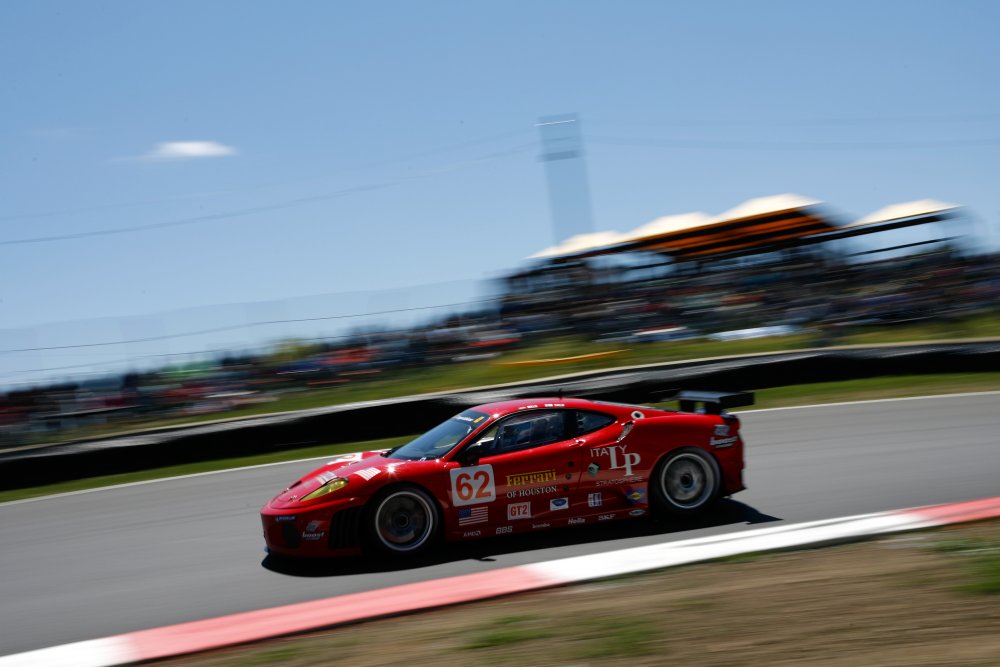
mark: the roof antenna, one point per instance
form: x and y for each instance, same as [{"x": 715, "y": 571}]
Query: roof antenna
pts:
[{"x": 560, "y": 393}]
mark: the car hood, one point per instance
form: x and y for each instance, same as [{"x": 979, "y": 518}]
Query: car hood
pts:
[{"x": 361, "y": 469}]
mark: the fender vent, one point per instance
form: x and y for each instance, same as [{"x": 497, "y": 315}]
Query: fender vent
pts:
[{"x": 345, "y": 528}]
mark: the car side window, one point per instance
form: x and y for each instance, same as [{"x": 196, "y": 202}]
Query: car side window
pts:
[
  {"x": 531, "y": 429},
  {"x": 588, "y": 422}
]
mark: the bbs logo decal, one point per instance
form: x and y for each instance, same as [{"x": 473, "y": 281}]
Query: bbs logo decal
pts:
[
  {"x": 472, "y": 485},
  {"x": 558, "y": 504}
]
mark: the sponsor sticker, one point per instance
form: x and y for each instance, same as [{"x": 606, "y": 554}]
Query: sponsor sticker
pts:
[
  {"x": 636, "y": 495},
  {"x": 593, "y": 469},
  {"x": 315, "y": 530},
  {"x": 470, "y": 515},
  {"x": 472, "y": 533},
  {"x": 537, "y": 491},
  {"x": 721, "y": 443},
  {"x": 519, "y": 511},
  {"x": 526, "y": 478},
  {"x": 558, "y": 504},
  {"x": 619, "y": 458},
  {"x": 541, "y": 525},
  {"x": 595, "y": 500},
  {"x": 636, "y": 512},
  {"x": 575, "y": 521},
  {"x": 605, "y": 517},
  {"x": 503, "y": 530},
  {"x": 619, "y": 481},
  {"x": 722, "y": 430},
  {"x": 287, "y": 517},
  {"x": 472, "y": 485}
]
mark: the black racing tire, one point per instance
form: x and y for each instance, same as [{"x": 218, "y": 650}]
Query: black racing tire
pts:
[
  {"x": 401, "y": 521},
  {"x": 685, "y": 482}
]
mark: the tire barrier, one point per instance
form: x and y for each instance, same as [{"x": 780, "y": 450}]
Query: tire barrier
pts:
[{"x": 402, "y": 416}]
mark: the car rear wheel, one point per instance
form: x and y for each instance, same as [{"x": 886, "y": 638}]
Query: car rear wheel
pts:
[
  {"x": 401, "y": 521},
  {"x": 685, "y": 482}
]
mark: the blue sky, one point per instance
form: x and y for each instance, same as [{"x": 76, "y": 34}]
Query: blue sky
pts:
[{"x": 390, "y": 146}]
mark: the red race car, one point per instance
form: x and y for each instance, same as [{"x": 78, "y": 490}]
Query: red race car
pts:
[{"x": 514, "y": 467}]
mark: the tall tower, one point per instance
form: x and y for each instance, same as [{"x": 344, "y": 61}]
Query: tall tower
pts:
[{"x": 566, "y": 172}]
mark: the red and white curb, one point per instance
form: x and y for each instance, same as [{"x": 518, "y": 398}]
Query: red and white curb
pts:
[{"x": 252, "y": 626}]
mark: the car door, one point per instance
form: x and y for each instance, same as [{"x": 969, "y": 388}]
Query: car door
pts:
[
  {"x": 609, "y": 482},
  {"x": 537, "y": 463}
]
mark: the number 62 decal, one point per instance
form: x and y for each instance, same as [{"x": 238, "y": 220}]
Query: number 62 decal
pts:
[{"x": 472, "y": 485}]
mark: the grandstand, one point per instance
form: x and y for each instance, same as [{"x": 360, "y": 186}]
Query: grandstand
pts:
[{"x": 764, "y": 225}]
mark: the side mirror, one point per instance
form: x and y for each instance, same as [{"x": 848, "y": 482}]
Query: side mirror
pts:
[{"x": 470, "y": 455}]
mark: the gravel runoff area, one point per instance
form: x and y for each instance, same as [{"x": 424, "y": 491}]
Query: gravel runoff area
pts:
[{"x": 923, "y": 598}]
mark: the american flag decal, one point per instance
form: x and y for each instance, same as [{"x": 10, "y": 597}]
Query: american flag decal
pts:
[
  {"x": 368, "y": 473},
  {"x": 469, "y": 515}
]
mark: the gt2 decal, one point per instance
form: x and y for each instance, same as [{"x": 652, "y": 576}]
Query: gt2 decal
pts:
[
  {"x": 472, "y": 485},
  {"x": 518, "y": 511}
]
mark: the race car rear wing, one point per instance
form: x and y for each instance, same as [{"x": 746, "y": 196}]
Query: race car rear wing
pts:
[{"x": 713, "y": 402}]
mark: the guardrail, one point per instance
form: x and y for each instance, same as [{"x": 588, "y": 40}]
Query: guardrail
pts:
[{"x": 412, "y": 414}]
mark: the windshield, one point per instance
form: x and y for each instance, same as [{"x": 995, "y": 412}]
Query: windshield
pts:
[{"x": 439, "y": 440}]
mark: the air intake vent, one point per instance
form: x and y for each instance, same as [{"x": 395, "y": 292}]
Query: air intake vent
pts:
[
  {"x": 345, "y": 528},
  {"x": 291, "y": 534}
]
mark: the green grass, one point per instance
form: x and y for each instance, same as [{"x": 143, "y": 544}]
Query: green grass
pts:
[
  {"x": 394, "y": 383},
  {"x": 611, "y": 637},
  {"x": 825, "y": 392},
  {"x": 508, "y": 630},
  {"x": 980, "y": 559}
]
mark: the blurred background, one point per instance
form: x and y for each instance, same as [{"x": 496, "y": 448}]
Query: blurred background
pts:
[{"x": 218, "y": 211}]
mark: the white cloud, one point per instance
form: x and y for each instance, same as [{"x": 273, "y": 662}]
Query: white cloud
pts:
[{"x": 187, "y": 150}]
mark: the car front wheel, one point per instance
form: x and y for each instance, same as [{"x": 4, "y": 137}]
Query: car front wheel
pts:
[
  {"x": 401, "y": 521},
  {"x": 685, "y": 482}
]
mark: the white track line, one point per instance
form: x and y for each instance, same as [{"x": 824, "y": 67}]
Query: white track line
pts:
[{"x": 814, "y": 406}]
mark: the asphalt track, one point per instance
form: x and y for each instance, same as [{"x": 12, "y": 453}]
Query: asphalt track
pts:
[{"x": 128, "y": 558}]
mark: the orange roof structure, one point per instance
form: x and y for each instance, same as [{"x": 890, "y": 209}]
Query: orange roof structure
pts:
[{"x": 757, "y": 225}]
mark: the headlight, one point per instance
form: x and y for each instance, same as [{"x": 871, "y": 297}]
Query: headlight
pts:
[{"x": 329, "y": 487}]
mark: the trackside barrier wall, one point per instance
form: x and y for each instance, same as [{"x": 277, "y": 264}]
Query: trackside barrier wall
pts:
[{"x": 403, "y": 416}]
